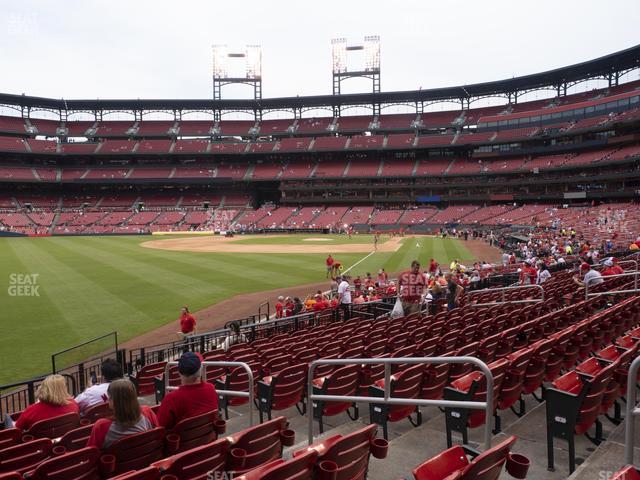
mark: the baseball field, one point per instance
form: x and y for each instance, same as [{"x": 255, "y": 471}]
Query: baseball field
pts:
[{"x": 59, "y": 291}]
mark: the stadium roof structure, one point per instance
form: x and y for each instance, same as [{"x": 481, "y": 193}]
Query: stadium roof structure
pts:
[{"x": 609, "y": 67}]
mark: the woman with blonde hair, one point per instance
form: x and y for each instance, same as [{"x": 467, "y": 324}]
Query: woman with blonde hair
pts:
[
  {"x": 128, "y": 416},
  {"x": 53, "y": 400}
]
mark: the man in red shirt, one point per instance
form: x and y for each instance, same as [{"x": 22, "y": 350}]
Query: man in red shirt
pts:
[
  {"x": 329, "y": 263},
  {"x": 187, "y": 323},
  {"x": 193, "y": 397},
  {"x": 413, "y": 285},
  {"x": 611, "y": 269},
  {"x": 433, "y": 267}
]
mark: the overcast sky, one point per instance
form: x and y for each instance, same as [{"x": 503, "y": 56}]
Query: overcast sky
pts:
[{"x": 162, "y": 49}]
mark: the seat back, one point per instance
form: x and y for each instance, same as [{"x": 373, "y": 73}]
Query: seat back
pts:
[
  {"x": 197, "y": 462},
  {"x": 145, "y": 378},
  {"x": 55, "y": 427},
  {"x": 79, "y": 465},
  {"x": 262, "y": 443},
  {"x": 488, "y": 465},
  {"x": 138, "y": 450},
  {"x": 149, "y": 473},
  {"x": 9, "y": 437},
  {"x": 351, "y": 453},
  {"x": 448, "y": 464},
  {"x": 25, "y": 456},
  {"x": 288, "y": 386},
  {"x": 196, "y": 431},
  {"x": 298, "y": 468},
  {"x": 75, "y": 439},
  {"x": 98, "y": 411}
]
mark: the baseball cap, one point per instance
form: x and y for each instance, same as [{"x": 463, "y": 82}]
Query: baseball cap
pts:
[
  {"x": 608, "y": 262},
  {"x": 189, "y": 363},
  {"x": 585, "y": 266}
]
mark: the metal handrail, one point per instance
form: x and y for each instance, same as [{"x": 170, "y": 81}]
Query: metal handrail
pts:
[
  {"x": 388, "y": 400},
  {"x": 635, "y": 274},
  {"x": 631, "y": 411},
  {"x": 228, "y": 393},
  {"x": 503, "y": 290}
]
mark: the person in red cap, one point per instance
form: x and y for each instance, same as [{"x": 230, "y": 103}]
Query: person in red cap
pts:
[
  {"x": 187, "y": 323},
  {"x": 590, "y": 277},
  {"x": 329, "y": 263},
  {"x": 193, "y": 397}
]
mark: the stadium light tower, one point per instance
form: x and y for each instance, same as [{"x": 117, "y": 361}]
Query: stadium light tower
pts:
[
  {"x": 340, "y": 62},
  {"x": 252, "y": 75}
]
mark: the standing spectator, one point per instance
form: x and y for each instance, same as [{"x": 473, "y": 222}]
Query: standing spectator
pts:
[
  {"x": 543, "y": 273},
  {"x": 288, "y": 307},
  {"x": 344, "y": 297},
  {"x": 413, "y": 284},
  {"x": 110, "y": 370},
  {"x": 329, "y": 263},
  {"x": 53, "y": 400},
  {"x": 280, "y": 307},
  {"x": 187, "y": 323},
  {"x": 382, "y": 277},
  {"x": 433, "y": 267},
  {"x": 193, "y": 397},
  {"x": 505, "y": 259},
  {"x": 453, "y": 291},
  {"x": 234, "y": 336},
  {"x": 298, "y": 307},
  {"x": 129, "y": 417}
]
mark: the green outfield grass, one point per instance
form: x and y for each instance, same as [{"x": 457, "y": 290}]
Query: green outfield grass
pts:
[{"x": 89, "y": 286}]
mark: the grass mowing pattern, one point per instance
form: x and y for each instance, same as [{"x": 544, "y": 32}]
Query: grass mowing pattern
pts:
[{"x": 89, "y": 286}]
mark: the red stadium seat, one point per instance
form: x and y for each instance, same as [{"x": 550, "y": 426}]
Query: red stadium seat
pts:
[
  {"x": 342, "y": 381},
  {"x": 282, "y": 390},
  {"x": 135, "y": 451},
  {"x": 299, "y": 468},
  {"x": 258, "y": 445},
  {"x": 196, "y": 463},
  {"x": 198, "y": 430},
  {"x": 75, "y": 439},
  {"x": 26, "y": 456},
  {"x": 627, "y": 473},
  {"x": 144, "y": 380},
  {"x": 82, "y": 464},
  {"x": 54, "y": 427},
  {"x": 453, "y": 464},
  {"x": 9, "y": 437},
  {"x": 97, "y": 411},
  {"x": 405, "y": 384},
  {"x": 350, "y": 452},
  {"x": 149, "y": 473}
]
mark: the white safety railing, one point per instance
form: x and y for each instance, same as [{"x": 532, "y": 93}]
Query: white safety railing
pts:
[
  {"x": 503, "y": 291},
  {"x": 591, "y": 281},
  {"x": 631, "y": 411},
  {"x": 227, "y": 393},
  {"x": 487, "y": 405}
]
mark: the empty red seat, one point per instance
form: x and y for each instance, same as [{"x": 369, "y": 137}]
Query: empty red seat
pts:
[
  {"x": 144, "y": 380},
  {"x": 627, "y": 473},
  {"x": 298, "y": 468},
  {"x": 258, "y": 445},
  {"x": 198, "y": 430},
  {"x": 454, "y": 464},
  {"x": 75, "y": 439},
  {"x": 405, "y": 384},
  {"x": 197, "y": 462},
  {"x": 236, "y": 380},
  {"x": 79, "y": 465},
  {"x": 282, "y": 390},
  {"x": 351, "y": 452},
  {"x": 149, "y": 473},
  {"x": 11, "y": 476},
  {"x": 9, "y": 437},
  {"x": 513, "y": 383},
  {"x": 25, "y": 456},
  {"x": 342, "y": 381},
  {"x": 97, "y": 411}
]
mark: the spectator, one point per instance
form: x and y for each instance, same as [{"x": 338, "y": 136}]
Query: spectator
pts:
[
  {"x": 233, "y": 337},
  {"x": 53, "y": 400},
  {"x": 591, "y": 277},
  {"x": 288, "y": 306},
  {"x": 110, "y": 370},
  {"x": 543, "y": 273},
  {"x": 413, "y": 284},
  {"x": 280, "y": 307},
  {"x": 129, "y": 417},
  {"x": 453, "y": 291},
  {"x": 344, "y": 297},
  {"x": 187, "y": 323},
  {"x": 298, "y": 307},
  {"x": 329, "y": 263},
  {"x": 193, "y": 397}
]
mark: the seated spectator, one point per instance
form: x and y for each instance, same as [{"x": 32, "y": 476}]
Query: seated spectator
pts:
[
  {"x": 590, "y": 276},
  {"x": 234, "y": 336},
  {"x": 193, "y": 397},
  {"x": 129, "y": 417},
  {"x": 110, "y": 370},
  {"x": 53, "y": 400}
]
